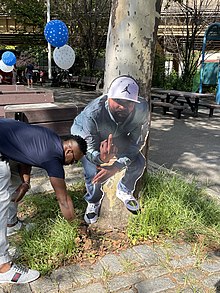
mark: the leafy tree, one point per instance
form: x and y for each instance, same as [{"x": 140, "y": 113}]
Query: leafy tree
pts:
[
  {"x": 183, "y": 24},
  {"x": 30, "y": 19},
  {"x": 87, "y": 21},
  {"x": 28, "y": 13},
  {"x": 88, "y": 24}
]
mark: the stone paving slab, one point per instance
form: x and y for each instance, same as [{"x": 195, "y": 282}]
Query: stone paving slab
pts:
[{"x": 110, "y": 274}]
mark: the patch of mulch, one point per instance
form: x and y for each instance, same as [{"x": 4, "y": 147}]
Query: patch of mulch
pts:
[{"x": 94, "y": 244}]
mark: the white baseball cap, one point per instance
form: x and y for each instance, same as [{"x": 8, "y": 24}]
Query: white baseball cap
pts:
[{"x": 125, "y": 88}]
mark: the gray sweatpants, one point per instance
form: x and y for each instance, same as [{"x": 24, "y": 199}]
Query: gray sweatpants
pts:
[
  {"x": 5, "y": 177},
  {"x": 14, "y": 183}
]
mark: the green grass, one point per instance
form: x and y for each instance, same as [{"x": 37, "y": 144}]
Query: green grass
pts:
[
  {"x": 52, "y": 240},
  {"x": 173, "y": 207},
  {"x": 170, "y": 207},
  {"x": 49, "y": 245}
]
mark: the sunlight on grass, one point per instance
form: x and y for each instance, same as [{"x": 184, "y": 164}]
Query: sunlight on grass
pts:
[
  {"x": 170, "y": 207},
  {"x": 173, "y": 207}
]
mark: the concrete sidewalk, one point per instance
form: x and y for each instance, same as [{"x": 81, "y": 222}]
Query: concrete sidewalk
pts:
[{"x": 190, "y": 146}]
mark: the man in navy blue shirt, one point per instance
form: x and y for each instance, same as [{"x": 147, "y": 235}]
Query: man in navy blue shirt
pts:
[{"x": 40, "y": 147}]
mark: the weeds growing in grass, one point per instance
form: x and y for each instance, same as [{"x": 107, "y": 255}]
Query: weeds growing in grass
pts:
[
  {"x": 169, "y": 207},
  {"x": 47, "y": 246},
  {"x": 173, "y": 207},
  {"x": 51, "y": 241}
]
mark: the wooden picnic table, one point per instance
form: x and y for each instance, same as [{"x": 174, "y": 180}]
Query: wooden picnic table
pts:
[
  {"x": 192, "y": 99},
  {"x": 21, "y": 92}
]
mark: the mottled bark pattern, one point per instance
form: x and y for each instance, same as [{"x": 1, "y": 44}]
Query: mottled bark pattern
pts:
[
  {"x": 130, "y": 50},
  {"x": 131, "y": 40}
]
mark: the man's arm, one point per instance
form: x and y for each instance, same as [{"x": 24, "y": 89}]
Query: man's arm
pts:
[
  {"x": 24, "y": 172},
  {"x": 65, "y": 201}
]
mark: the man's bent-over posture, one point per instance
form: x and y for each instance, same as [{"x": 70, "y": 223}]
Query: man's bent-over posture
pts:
[{"x": 43, "y": 148}]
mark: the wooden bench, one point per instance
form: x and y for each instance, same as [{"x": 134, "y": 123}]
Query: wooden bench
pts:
[
  {"x": 159, "y": 97},
  {"x": 89, "y": 81},
  {"x": 12, "y": 87},
  {"x": 59, "y": 118},
  {"x": 22, "y": 92},
  {"x": 74, "y": 79},
  {"x": 18, "y": 98},
  {"x": 210, "y": 106},
  {"x": 167, "y": 106}
]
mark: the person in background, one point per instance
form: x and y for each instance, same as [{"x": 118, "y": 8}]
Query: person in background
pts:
[
  {"x": 29, "y": 75},
  {"x": 32, "y": 145},
  {"x": 41, "y": 77},
  {"x": 115, "y": 126}
]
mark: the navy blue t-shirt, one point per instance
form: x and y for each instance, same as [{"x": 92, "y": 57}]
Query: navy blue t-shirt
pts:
[
  {"x": 30, "y": 68},
  {"x": 32, "y": 145}
]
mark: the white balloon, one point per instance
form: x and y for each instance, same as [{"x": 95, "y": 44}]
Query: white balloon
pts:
[
  {"x": 64, "y": 57},
  {"x": 6, "y": 68}
]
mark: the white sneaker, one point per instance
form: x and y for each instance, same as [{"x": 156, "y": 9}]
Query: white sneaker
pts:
[
  {"x": 14, "y": 229},
  {"x": 92, "y": 212},
  {"x": 18, "y": 226},
  {"x": 129, "y": 200},
  {"x": 19, "y": 275}
]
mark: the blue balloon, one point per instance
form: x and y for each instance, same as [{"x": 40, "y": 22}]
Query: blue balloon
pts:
[
  {"x": 8, "y": 58},
  {"x": 56, "y": 33}
]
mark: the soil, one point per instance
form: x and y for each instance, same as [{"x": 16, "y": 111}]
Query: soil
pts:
[{"x": 94, "y": 244}]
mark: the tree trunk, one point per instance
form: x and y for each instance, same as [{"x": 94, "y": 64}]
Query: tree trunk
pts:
[{"x": 130, "y": 50}]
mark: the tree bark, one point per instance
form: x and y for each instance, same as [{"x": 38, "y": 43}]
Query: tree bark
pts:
[
  {"x": 130, "y": 50},
  {"x": 131, "y": 41}
]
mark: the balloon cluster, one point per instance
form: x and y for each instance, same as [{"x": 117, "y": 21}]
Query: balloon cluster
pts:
[
  {"x": 56, "y": 34},
  {"x": 7, "y": 62}
]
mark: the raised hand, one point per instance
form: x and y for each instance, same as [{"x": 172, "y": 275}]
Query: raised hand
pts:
[{"x": 107, "y": 149}]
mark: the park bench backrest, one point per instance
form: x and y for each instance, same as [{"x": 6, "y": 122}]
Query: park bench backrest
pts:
[
  {"x": 7, "y": 99},
  {"x": 58, "y": 118}
]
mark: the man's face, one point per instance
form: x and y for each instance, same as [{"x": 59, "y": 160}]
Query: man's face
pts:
[
  {"x": 72, "y": 153},
  {"x": 120, "y": 109}
]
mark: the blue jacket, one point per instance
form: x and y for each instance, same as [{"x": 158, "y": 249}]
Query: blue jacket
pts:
[{"x": 95, "y": 123}]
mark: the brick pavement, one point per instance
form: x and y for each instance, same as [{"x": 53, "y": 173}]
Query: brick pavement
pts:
[{"x": 165, "y": 267}]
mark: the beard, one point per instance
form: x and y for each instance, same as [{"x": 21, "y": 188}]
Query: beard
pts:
[{"x": 120, "y": 116}]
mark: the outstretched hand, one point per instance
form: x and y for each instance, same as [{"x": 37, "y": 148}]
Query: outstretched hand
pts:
[
  {"x": 107, "y": 149},
  {"x": 104, "y": 173}
]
